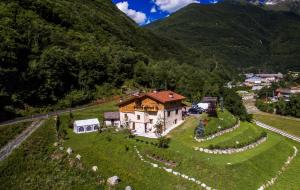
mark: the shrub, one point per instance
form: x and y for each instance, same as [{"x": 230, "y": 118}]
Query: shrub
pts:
[
  {"x": 108, "y": 138},
  {"x": 163, "y": 142},
  {"x": 126, "y": 148}
]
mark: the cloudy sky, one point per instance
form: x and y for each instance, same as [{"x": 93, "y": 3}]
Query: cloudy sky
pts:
[{"x": 146, "y": 11}]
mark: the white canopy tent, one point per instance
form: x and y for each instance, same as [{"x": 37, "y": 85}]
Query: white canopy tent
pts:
[{"x": 86, "y": 126}]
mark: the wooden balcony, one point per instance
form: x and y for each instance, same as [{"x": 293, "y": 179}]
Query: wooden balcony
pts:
[{"x": 146, "y": 108}]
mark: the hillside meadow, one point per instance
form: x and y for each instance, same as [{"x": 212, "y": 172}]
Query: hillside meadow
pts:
[{"x": 114, "y": 154}]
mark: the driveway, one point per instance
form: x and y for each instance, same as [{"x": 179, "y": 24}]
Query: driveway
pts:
[{"x": 10, "y": 146}]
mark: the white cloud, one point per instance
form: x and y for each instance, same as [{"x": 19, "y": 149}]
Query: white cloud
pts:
[
  {"x": 138, "y": 17},
  {"x": 173, "y": 5},
  {"x": 153, "y": 9}
]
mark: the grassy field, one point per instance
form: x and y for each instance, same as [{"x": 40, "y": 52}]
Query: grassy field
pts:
[
  {"x": 288, "y": 125},
  {"x": 223, "y": 121},
  {"x": 245, "y": 134},
  {"x": 8, "y": 132},
  {"x": 113, "y": 153},
  {"x": 31, "y": 166}
]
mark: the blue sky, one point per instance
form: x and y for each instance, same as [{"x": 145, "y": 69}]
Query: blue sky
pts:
[{"x": 146, "y": 11}]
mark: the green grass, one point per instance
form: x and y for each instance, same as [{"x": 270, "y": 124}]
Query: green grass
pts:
[
  {"x": 113, "y": 153},
  {"x": 248, "y": 169},
  {"x": 223, "y": 121},
  {"x": 9, "y": 132},
  {"x": 31, "y": 167},
  {"x": 246, "y": 134},
  {"x": 289, "y": 125}
]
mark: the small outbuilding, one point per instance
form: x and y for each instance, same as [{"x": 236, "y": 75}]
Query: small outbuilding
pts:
[
  {"x": 86, "y": 126},
  {"x": 112, "y": 119}
]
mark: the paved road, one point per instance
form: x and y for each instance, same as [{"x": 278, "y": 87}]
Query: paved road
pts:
[
  {"x": 9, "y": 147},
  {"x": 277, "y": 131},
  {"x": 43, "y": 116}
]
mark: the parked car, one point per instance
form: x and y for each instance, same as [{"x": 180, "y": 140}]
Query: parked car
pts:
[{"x": 195, "y": 110}]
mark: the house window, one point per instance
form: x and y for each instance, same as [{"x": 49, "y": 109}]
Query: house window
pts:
[
  {"x": 151, "y": 121},
  {"x": 175, "y": 121},
  {"x": 169, "y": 113},
  {"x": 81, "y": 129},
  {"x": 176, "y": 111},
  {"x": 96, "y": 127},
  {"x": 138, "y": 117}
]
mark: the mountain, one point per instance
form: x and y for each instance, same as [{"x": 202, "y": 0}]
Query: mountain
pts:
[
  {"x": 62, "y": 53},
  {"x": 237, "y": 34},
  {"x": 283, "y": 5}
]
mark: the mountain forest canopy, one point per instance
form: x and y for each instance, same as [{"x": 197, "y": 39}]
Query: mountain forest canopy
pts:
[
  {"x": 60, "y": 53},
  {"x": 238, "y": 34}
]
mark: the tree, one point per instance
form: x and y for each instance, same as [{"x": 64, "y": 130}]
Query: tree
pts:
[
  {"x": 159, "y": 126},
  {"x": 294, "y": 106},
  {"x": 281, "y": 107},
  {"x": 57, "y": 125},
  {"x": 71, "y": 119}
]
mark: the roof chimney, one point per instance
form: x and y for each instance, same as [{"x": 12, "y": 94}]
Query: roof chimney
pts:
[
  {"x": 154, "y": 91},
  {"x": 171, "y": 95}
]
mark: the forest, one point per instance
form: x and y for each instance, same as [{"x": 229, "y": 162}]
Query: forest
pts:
[{"x": 60, "y": 53}]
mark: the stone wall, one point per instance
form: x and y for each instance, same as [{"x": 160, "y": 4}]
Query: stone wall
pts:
[
  {"x": 231, "y": 150},
  {"x": 218, "y": 133},
  {"x": 271, "y": 182}
]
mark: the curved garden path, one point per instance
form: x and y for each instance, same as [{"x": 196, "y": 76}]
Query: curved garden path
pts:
[{"x": 265, "y": 126}]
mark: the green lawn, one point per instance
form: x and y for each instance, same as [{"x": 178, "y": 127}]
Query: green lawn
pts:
[
  {"x": 31, "y": 167},
  {"x": 245, "y": 134},
  {"x": 223, "y": 121},
  {"x": 9, "y": 132},
  {"x": 289, "y": 125},
  {"x": 113, "y": 153}
]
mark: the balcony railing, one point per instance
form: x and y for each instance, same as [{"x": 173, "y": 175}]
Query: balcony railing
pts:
[{"x": 146, "y": 108}]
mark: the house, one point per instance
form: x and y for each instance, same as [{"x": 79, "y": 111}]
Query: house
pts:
[
  {"x": 254, "y": 81},
  {"x": 274, "y": 76},
  {"x": 260, "y": 80},
  {"x": 112, "y": 119},
  {"x": 152, "y": 114},
  {"x": 287, "y": 92},
  {"x": 86, "y": 126}
]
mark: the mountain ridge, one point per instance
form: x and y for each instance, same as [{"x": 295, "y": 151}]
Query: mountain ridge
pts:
[{"x": 240, "y": 35}]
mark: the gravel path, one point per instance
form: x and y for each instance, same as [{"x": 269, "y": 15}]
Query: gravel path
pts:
[
  {"x": 9, "y": 147},
  {"x": 277, "y": 131}
]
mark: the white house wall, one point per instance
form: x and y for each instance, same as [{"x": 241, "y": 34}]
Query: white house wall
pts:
[
  {"x": 170, "y": 120},
  {"x": 145, "y": 117}
]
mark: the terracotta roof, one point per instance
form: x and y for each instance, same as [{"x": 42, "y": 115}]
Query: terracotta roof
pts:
[
  {"x": 161, "y": 96},
  {"x": 165, "y": 96}
]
